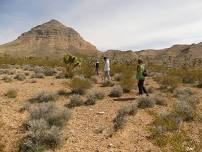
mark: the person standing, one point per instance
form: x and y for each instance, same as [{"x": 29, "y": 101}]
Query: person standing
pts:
[
  {"x": 106, "y": 69},
  {"x": 141, "y": 73},
  {"x": 97, "y": 66}
]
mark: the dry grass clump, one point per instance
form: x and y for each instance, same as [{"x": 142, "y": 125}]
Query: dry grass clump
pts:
[
  {"x": 108, "y": 83},
  {"x": 183, "y": 92},
  {"x": 145, "y": 102},
  {"x": 75, "y": 101},
  {"x": 12, "y": 93},
  {"x": 38, "y": 75},
  {"x": 94, "y": 96},
  {"x": 63, "y": 92},
  {"x": 48, "y": 71},
  {"x": 120, "y": 119},
  {"x": 79, "y": 85},
  {"x": 7, "y": 78},
  {"x": 94, "y": 79},
  {"x": 44, "y": 96},
  {"x": 168, "y": 83},
  {"x": 60, "y": 75},
  {"x": 159, "y": 100},
  {"x": 43, "y": 127},
  {"x": 117, "y": 91},
  {"x": 20, "y": 77}
]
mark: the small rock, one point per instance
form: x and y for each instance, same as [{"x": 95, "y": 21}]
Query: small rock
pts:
[{"x": 101, "y": 113}]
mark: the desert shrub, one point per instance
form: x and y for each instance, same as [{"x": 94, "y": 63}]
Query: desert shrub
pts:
[
  {"x": 117, "y": 91},
  {"x": 38, "y": 75},
  {"x": 183, "y": 92},
  {"x": 7, "y": 79},
  {"x": 3, "y": 71},
  {"x": 40, "y": 136},
  {"x": 60, "y": 75},
  {"x": 159, "y": 100},
  {"x": 166, "y": 122},
  {"x": 119, "y": 121},
  {"x": 87, "y": 70},
  {"x": 27, "y": 67},
  {"x": 128, "y": 110},
  {"x": 53, "y": 115},
  {"x": 38, "y": 69},
  {"x": 120, "y": 118},
  {"x": 167, "y": 82},
  {"x": 145, "y": 102},
  {"x": 44, "y": 97},
  {"x": 75, "y": 101},
  {"x": 12, "y": 93},
  {"x": 108, "y": 83},
  {"x": 48, "y": 71},
  {"x": 118, "y": 77},
  {"x": 79, "y": 85},
  {"x": 184, "y": 110},
  {"x": 93, "y": 96},
  {"x": 20, "y": 77}
]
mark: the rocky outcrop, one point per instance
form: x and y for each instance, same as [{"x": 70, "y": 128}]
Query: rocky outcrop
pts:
[{"x": 51, "y": 39}]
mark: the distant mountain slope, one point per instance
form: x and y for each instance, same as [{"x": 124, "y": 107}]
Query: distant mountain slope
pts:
[{"x": 51, "y": 39}]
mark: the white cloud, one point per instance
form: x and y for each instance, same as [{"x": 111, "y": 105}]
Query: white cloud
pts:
[{"x": 125, "y": 24}]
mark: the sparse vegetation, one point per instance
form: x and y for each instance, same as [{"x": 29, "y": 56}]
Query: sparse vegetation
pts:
[
  {"x": 108, "y": 83},
  {"x": 75, "y": 101},
  {"x": 93, "y": 96},
  {"x": 20, "y": 77},
  {"x": 145, "y": 102},
  {"x": 44, "y": 97},
  {"x": 12, "y": 93},
  {"x": 7, "y": 79},
  {"x": 79, "y": 85},
  {"x": 120, "y": 118},
  {"x": 117, "y": 91},
  {"x": 43, "y": 127}
]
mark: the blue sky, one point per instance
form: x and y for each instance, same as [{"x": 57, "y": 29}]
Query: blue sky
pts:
[{"x": 109, "y": 24}]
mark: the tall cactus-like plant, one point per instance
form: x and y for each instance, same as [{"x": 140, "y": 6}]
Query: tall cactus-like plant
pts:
[{"x": 71, "y": 62}]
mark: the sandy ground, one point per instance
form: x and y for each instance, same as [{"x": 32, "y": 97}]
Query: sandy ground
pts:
[{"x": 87, "y": 130}]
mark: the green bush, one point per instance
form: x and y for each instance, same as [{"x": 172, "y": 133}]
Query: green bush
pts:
[
  {"x": 12, "y": 93},
  {"x": 79, "y": 85}
]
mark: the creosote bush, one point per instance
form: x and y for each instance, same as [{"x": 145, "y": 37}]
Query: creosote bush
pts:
[
  {"x": 44, "y": 97},
  {"x": 20, "y": 77},
  {"x": 7, "y": 79},
  {"x": 93, "y": 96},
  {"x": 120, "y": 118},
  {"x": 79, "y": 85},
  {"x": 108, "y": 83},
  {"x": 12, "y": 93},
  {"x": 75, "y": 101},
  {"x": 145, "y": 102},
  {"x": 117, "y": 91},
  {"x": 43, "y": 127}
]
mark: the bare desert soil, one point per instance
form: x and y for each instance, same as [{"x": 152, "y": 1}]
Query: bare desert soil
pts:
[{"x": 90, "y": 127}]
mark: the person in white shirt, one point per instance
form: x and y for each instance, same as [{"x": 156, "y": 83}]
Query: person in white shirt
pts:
[{"x": 106, "y": 69}]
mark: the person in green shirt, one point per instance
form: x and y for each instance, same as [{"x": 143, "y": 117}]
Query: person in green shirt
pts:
[{"x": 141, "y": 77}]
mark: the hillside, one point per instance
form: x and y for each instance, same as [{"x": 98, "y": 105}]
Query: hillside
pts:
[{"x": 51, "y": 39}]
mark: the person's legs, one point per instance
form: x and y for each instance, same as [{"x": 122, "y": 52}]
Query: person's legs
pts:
[
  {"x": 105, "y": 75},
  {"x": 108, "y": 75},
  {"x": 140, "y": 87},
  {"x": 144, "y": 89},
  {"x": 97, "y": 71}
]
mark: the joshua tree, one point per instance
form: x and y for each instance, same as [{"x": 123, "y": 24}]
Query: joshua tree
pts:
[{"x": 71, "y": 62}]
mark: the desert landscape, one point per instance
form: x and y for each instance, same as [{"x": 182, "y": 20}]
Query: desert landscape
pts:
[
  {"x": 100, "y": 76},
  {"x": 54, "y": 101}
]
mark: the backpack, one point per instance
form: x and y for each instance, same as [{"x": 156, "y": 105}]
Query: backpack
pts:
[{"x": 145, "y": 74}]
